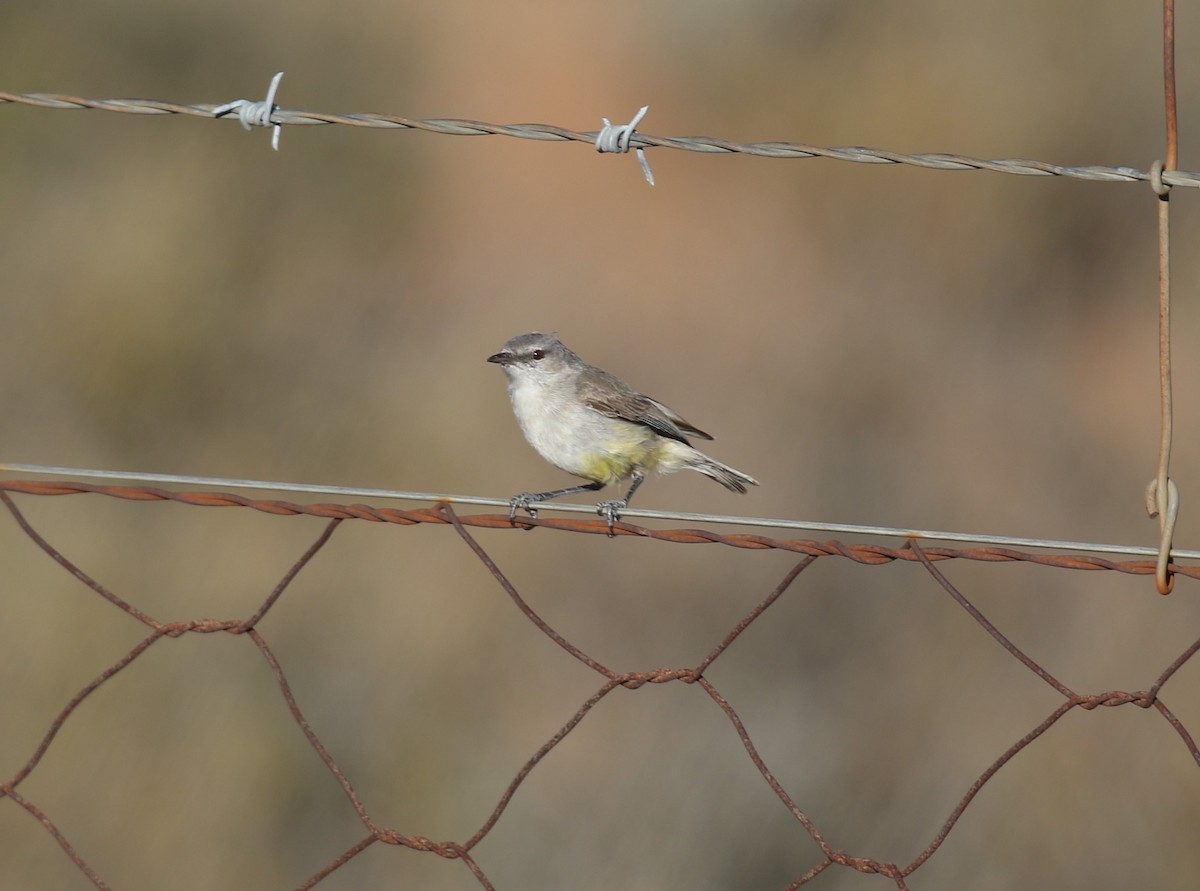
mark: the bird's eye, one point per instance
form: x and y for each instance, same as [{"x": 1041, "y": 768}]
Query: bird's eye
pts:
[{"x": 539, "y": 354}]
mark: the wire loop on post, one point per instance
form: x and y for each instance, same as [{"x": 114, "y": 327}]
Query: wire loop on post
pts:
[
  {"x": 1161, "y": 187},
  {"x": 615, "y": 138},
  {"x": 1163, "y": 502},
  {"x": 256, "y": 114}
]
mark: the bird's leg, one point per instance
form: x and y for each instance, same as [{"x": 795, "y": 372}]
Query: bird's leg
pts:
[
  {"x": 611, "y": 510},
  {"x": 526, "y": 499}
]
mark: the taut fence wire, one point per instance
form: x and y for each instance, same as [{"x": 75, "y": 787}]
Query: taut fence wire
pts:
[
  {"x": 711, "y": 145},
  {"x": 859, "y": 553},
  {"x": 78, "y": 474}
]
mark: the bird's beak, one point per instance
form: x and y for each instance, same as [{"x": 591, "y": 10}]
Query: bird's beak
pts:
[{"x": 504, "y": 358}]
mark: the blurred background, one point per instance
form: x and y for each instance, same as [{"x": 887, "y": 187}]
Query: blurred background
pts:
[{"x": 876, "y": 344}]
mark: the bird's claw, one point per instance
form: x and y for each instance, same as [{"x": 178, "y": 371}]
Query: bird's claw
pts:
[
  {"x": 611, "y": 511},
  {"x": 525, "y": 502}
]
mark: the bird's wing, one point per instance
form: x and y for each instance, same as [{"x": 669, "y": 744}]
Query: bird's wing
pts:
[{"x": 612, "y": 397}]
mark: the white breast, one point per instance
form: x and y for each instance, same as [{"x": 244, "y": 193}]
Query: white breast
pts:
[{"x": 553, "y": 423}]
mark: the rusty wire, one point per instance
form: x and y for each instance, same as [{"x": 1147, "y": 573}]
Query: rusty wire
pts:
[
  {"x": 859, "y": 553},
  {"x": 444, "y": 514},
  {"x": 1162, "y": 495},
  {"x": 222, "y": 484},
  {"x": 551, "y": 133}
]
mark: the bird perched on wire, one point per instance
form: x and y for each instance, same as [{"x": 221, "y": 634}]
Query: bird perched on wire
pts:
[{"x": 594, "y": 425}]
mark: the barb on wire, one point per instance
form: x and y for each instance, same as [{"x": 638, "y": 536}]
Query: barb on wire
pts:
[
  {"x": 552, "y": 133},
  {"x": 616, "y": 139},
  {"x": 256, "y": 114}
]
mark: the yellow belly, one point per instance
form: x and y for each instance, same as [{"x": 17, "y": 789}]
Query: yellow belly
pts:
[{"x": 617, "y": 460}]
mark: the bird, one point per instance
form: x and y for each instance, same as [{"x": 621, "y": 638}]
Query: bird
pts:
[{"x": 595, "y": 426}]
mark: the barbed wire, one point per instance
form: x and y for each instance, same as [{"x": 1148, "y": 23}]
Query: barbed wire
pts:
[
  {"x": 1148, "y": 698},
  {"x": 552, "y": 133}
]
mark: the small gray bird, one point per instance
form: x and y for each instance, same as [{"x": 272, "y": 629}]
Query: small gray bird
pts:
[{"x": 595, "y": 426}]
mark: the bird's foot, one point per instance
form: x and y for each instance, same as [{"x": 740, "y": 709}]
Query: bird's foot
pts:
[
  {"x": 611, "y": 511},
  {"x": 525, "y": 502}
]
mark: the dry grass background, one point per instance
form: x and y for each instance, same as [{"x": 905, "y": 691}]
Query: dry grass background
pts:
[{"x": 877, "y": 345}]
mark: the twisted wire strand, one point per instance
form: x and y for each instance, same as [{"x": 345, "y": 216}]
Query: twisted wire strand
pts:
[
  {"x": 551, "y": 133},
  {"x": 867, "y": 554},
  {"x": 1000, "y": 541}
]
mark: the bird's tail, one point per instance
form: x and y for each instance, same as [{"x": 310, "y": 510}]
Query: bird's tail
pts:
[{"x": 733, "y": 480}]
